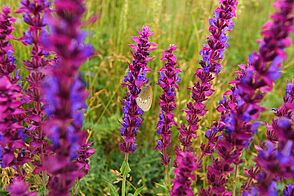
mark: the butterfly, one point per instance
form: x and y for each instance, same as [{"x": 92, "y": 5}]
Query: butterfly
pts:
[{"x": 144, "y": 100}]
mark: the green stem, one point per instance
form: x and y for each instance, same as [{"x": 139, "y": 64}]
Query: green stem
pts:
[
  {"x": 166, "y": 175},
  {"x": 123, "y": 186},
  {"x": 166, "y": 179},
  {"x": 235, "y": 181}
]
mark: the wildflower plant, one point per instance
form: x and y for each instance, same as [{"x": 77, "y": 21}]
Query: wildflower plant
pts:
[
  {"x": 169, "y": 77},
  {"x": 275, "y": 155},
  {"x": 241, "y": 104},
  {"x": 7, "y": 59},
  {"x": 135, "y": 80},
  {"x": 34, "y": 16},
  {"x": 212, "y": 54},
  {"x": 44, "y": 148},
  {"x": 64, "y": 94}
]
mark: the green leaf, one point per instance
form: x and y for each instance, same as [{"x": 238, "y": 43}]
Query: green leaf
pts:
[
  {"x": 112, "y": 189},
  {"x": 138, "y": 191},
  {"x": 125, "y": 168}
]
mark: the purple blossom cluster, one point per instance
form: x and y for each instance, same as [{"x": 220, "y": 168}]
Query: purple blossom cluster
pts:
[
  {"x": 33, "y": 15},
  {"x": 276, "y": 155},
  {"x": 186, "y": 165},
  {"x": 64, "y": 94},
  {"x": 135, "y": 80},
  {"x": 241, "y": 104},
  {"x": 13, "y": 151},
  {"x": 11, "y": 129},
  {"x": 212, "y": 53},
  {"x": 19, "y": 187},
  {"x": 168, "y": 82},
  {"x": 7, "y": 59}
]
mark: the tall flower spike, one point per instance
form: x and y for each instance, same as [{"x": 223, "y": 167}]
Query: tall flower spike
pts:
[
  {"x": 135, "y": 80},
  {"x": 168, "y": 82},
  {"x": 186, "y": 165},
  {"x": 275, "y": 156},
  {"x": 65, "y": 95},
  {"x": 241, "y": 104},
  {"x": 13, "y": 151},
  {"x": 33, "y": 14},
  {"x": 212, "y": 54},
  {"x": 7, "y": 59}
]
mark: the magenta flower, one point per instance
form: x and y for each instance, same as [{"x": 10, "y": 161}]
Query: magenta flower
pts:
[
  {"x": 19, "y": 187},
  {"x": 135, "y": 80},
  {"x": 33, "y": 14},
  {"x": 11, "y": 130},
  {"x": 6, "y": 50},
  {"x": 212, "y": 53},
  {"x": 65, "y": 95},
  {"x": 13, "y": 151},
  {"x": 185, "y": 166},
  {"x": 275, "y": 157},
  {"x": 242, "y": 103},
  {"x": 168, "y": 82}
]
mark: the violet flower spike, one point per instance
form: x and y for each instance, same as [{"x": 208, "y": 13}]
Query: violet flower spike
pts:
[
  {"x": 275, "y": 157},
  {"x": 242, "y": 103},
  {"x": 7, "y": 59},
  {"x": 185, "y": 166},
  {"x": 13, "y": 151},
  {"x": 33, "y": 14},
  {"x": 168, "y": 82},
  {"x": 135, "y": 80},
  {"x": 212, "y": 54},
  {"x": 64, "y": 93}
]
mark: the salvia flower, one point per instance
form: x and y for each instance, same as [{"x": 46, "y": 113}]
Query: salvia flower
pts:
[
  {"x": 168, "y": 82},
  {"x": 33, "y": 14},
  {"x": 185, "y": 166},
  {"x": 10, "y": 122},
  {"x": 19, "y": 187},
  {"x": 135, "y": 80},
  {"x": 212, "y": 54},
  {"x": 13, "y": 151},
  {"x": 275, "y": 157},
  {"x": 7, "y": 59},
  {"x": 288, "y": 190},
  {"x": 242, "y": 102},
  {"x": 64, "y": 93}
]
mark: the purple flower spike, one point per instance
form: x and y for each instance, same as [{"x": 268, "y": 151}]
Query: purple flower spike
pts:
[
  {"x": 33, "y": 14},
  {"x": 10, "y": 123},
  {"x": 13, "y": 151},
  {"x": 185, "y": 166},
  {"x": 7, "y": 65},
  {"x": 276, "y": 155},
  {"x": 168, "y": 82},
  {"x": 64, "y": 94},
  {"x": 212, "y": 54},
  {"x": 241, "y": 104},
  {"x": 135, "y": 80}
]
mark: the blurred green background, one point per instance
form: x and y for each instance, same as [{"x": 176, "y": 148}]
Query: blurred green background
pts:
[{"x": 181, "y": 22}]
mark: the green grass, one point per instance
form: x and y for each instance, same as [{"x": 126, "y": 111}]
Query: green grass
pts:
[{"x": 184, "y": 23}]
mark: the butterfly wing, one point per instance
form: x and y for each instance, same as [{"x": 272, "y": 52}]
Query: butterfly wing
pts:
[{"x": 144, "y": 100}]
